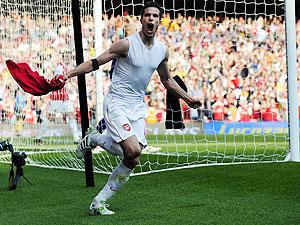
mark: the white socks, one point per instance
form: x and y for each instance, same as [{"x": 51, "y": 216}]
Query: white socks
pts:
[
  {"x": 116, "y": 180},
  {"x": 107, "y": 143},
  {"x": 120, "y": 174}
]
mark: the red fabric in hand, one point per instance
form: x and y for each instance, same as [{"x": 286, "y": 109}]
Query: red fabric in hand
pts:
[{"x": 31, "y": 82}]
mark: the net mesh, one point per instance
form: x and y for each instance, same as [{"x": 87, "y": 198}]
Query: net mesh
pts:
[{"x": 230, "y": 54}]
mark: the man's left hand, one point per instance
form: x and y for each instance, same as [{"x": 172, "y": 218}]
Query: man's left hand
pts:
[{"x": 194, "y": 103}]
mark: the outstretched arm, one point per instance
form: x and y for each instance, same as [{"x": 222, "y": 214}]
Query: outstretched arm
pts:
[
  {"x": 171, "y": 84},
  {"x": 118, "y": 49}
]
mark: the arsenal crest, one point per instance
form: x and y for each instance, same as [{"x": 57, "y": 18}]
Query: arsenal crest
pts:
[{"x": 126, "y": 127}]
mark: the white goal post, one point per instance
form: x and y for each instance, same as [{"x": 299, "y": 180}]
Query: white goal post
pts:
[
  {"x": 292, "y": 80},
  {"x": 234, "y": 55}
]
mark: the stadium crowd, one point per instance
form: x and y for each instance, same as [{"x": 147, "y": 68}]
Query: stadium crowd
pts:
[{"x": 236, "y": 66}]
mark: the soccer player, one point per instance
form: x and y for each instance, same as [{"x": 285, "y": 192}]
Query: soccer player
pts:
[
  {"x": 128, "y": 30},
  {"x": 138, "y": 56}
]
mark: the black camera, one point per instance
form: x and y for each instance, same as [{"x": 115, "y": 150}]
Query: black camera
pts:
[{"x": 17, "y": 160}]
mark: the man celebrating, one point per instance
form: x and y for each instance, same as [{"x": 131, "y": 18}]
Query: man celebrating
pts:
[{"x": 138, "y": 56}]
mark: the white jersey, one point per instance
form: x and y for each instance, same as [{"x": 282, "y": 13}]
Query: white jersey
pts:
[
  {"x": 124, "y": 107},
  {"x": 132, "y": 74}
]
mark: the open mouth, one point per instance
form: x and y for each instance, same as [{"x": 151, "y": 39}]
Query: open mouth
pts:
[{"x": 150, "y": 26}]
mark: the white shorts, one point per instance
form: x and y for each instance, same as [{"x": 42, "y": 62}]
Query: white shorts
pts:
[
  {"x": 124, "y": 120},
  {"x": 60, "y": 107}
]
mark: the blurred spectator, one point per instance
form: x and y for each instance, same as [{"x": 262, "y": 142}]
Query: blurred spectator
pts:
[{"x": 208, "y": 53}]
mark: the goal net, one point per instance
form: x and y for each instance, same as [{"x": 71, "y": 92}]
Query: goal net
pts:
[{"x": 230, "y": 54}]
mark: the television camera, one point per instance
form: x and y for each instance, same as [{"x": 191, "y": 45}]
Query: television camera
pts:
[{"x": 17, "y": 160}]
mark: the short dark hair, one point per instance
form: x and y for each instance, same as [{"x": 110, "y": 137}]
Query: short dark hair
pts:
[{"x": 151, "y": 4}]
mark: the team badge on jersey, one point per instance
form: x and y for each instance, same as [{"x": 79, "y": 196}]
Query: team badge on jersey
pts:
[{"x": 126, "y": 127}]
